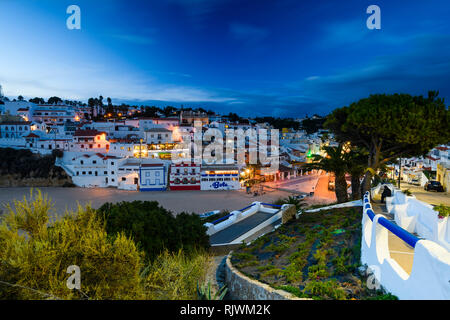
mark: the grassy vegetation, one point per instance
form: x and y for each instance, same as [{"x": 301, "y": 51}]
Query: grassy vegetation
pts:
[
  {"x": 443, "y": 210},
  {"x": 36, "y": 249},
  {"x": 22, "y": 167},
  {"x": 316, "y": 256},
  {"x": 153, "y": 228}
]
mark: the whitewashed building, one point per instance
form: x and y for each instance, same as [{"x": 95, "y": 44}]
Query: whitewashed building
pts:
[{"x": 220, "y": 177}]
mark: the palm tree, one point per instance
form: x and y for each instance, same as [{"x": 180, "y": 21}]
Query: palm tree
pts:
[
  {"x": 298, "y": 203},
  {"x": 335, "y": 161},
  {"x": 357, "y": 164}
]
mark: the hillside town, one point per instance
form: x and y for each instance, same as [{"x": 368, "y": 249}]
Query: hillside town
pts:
[
  {"x": 121, "y": 147},
  {"x": 127, "y": 150}
]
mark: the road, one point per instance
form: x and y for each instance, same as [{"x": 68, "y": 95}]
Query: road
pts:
[
  {"x": 431, "y": 197},
  {"x": 301, "y": 184},
  {"x": 321, "y": 193}
]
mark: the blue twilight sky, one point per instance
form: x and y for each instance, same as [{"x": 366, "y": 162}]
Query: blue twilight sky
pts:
[{"x": 253, "y": 57}]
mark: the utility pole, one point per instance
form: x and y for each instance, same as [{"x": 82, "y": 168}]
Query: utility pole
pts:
[{"x": 399, "y": 171}]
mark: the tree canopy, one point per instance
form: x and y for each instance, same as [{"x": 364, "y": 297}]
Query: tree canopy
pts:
[{"x": 392, "y": 126}]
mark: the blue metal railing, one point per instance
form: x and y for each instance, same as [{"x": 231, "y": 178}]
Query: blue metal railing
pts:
[
  {"x": 242, "y": 210},
  {"x": 221, "y": 219},
  {"x": 399, "y": 232},
  {"x": 271, "y": 205}
]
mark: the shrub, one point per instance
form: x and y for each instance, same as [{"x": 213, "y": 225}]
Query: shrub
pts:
[
  {"x": 175, "y": 276},
  {"x": 24, "y": 164},
  {"x": 35, "y": 253},
  {"x": 326, "y": 289},
  {"x": 154, "y": 228},
  {"x": 443, "y": 211}
]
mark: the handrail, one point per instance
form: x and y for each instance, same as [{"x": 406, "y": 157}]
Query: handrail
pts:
[
  {"x": 271, "y": 205},
  {"x": 221, "y": 219},
  {"x": 395, "y": 229},
  {"x": 243, "y": 209},
  {"x": 229, "y": 215}
]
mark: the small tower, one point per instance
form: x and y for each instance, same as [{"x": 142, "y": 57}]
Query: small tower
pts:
[{"x": 1, "y": 92}]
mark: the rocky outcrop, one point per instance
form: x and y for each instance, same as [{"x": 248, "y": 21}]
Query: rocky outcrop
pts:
[
  {"x": 22, "y": 168},
  {"x": 241, "y": 287}
]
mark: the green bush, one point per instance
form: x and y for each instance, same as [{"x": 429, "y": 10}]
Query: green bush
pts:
[
  {"x": 35, "y": 251},
  {"x": 154, "y": 228},
  {"x": 175, "y": 276},
  {"x": 25, "y": 164},
  {"x": 444, "y": 211}
]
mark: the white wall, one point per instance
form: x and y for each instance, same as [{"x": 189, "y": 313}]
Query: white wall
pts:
[
  {"x": 419, "y": 217},
  {"x": 430, "y": 275}
]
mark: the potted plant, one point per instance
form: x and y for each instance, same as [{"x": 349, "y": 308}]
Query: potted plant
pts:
[
  {"x": 407, "y": 192},
  {"x": 443, "y": 211}
]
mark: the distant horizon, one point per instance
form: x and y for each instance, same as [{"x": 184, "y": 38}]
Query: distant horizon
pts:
[{"x": 162, "y": 104}]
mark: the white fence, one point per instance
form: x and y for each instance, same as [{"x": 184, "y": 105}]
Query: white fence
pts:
[
  {"x": 417, "y": 217},
  {"x": 430, "y": 275},
  {"x": 236, "y": 216}
]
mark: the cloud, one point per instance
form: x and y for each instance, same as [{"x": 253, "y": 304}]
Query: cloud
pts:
[{"x": 426, "y": 66}]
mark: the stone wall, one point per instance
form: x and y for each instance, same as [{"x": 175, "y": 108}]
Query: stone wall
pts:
[
  {"x": 289, "y": 213},
  {"x": 241, "y": 287}
]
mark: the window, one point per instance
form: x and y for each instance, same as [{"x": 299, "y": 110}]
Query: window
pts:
[
  {"x": 112, "y": 172},
  {"x": 157, "y": 173},
  {"x": 112, "y": 163},
  {"x": 81, "y": 162},
  {"x": 90, "y": 173},
  {"x": 90, "y": 146},
  {"x": 105, "y": 172},
  {"x": 112, "y": 180},
  {"x": 99, "y": 146},
  {"x": 124, "y": 179},
  {"x": 94, "y": 161}
]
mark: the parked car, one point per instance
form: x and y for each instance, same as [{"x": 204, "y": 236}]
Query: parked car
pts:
[{"x": 434, "y": 185}]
